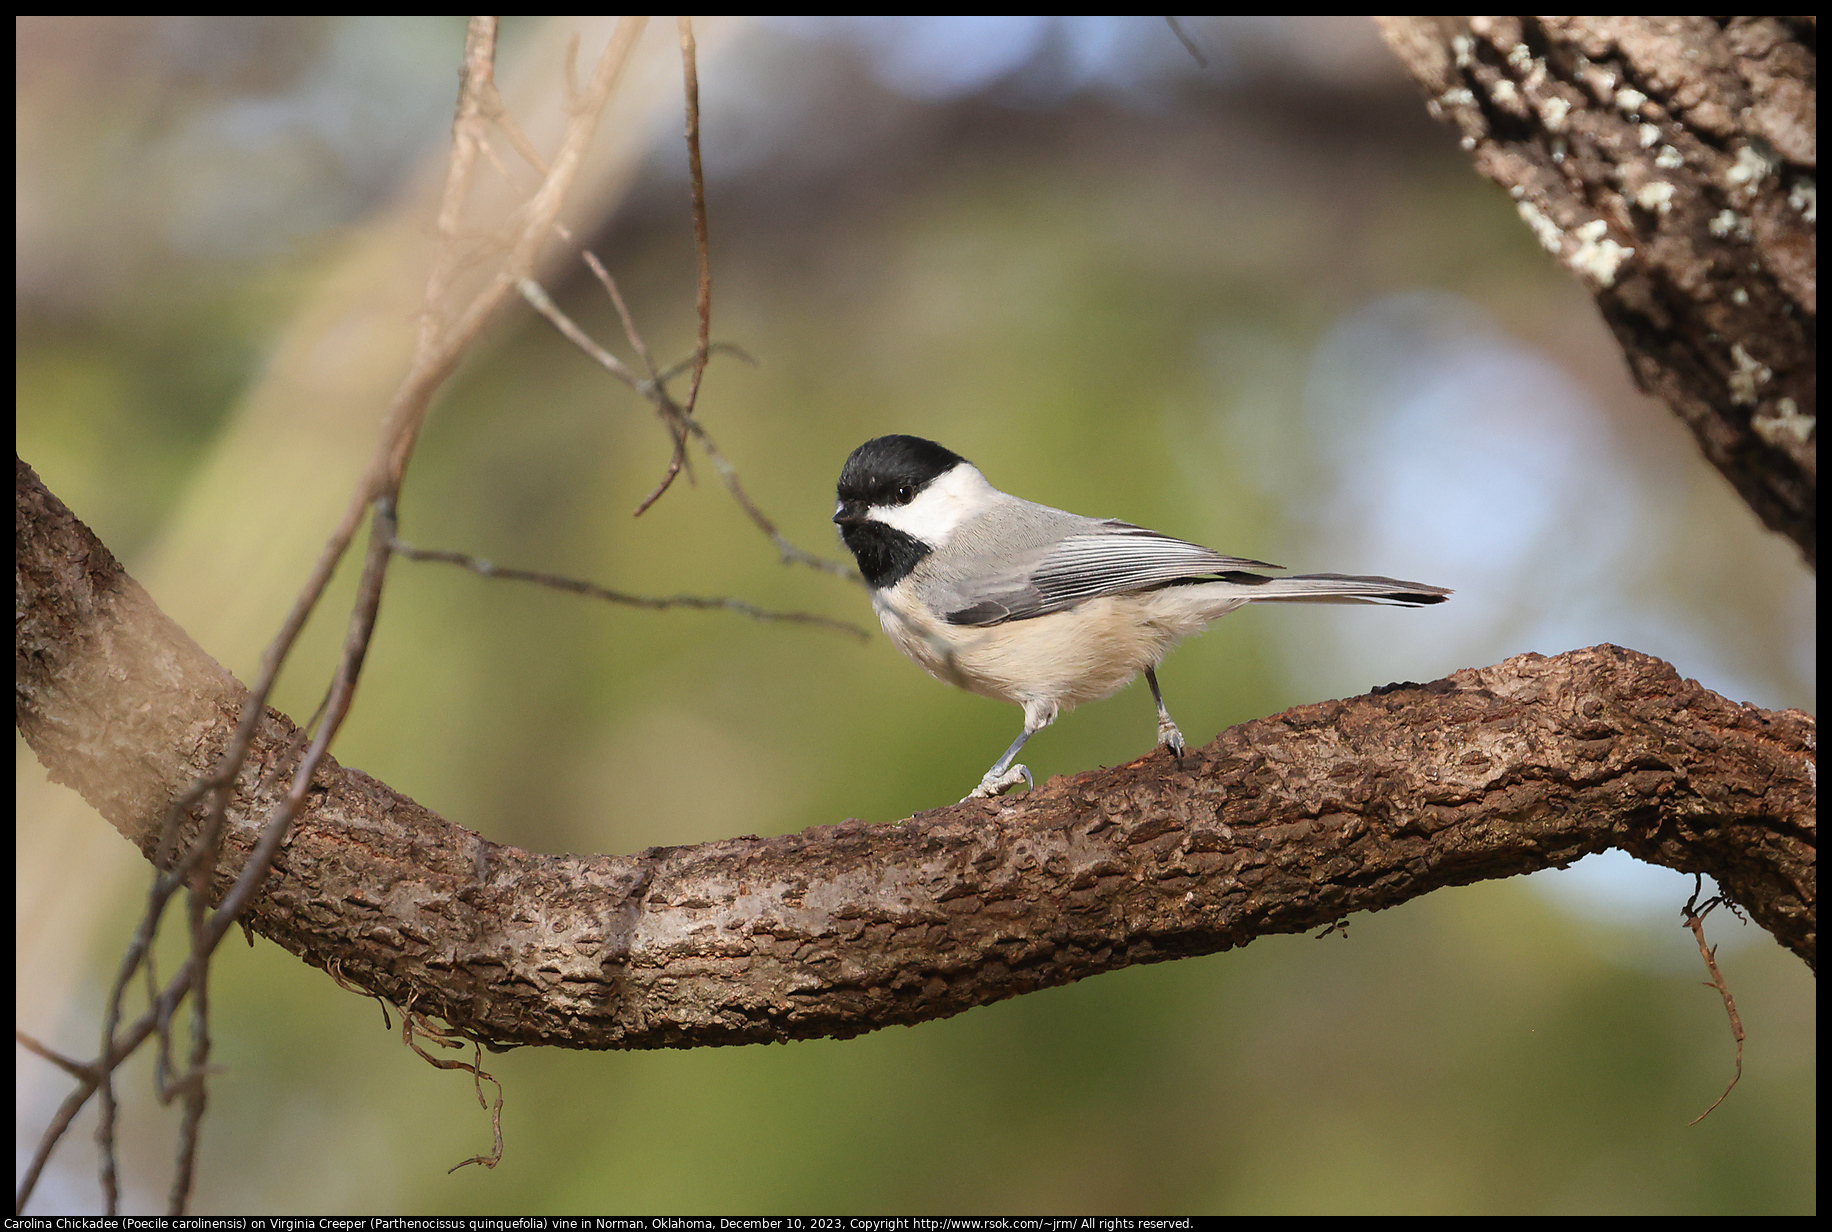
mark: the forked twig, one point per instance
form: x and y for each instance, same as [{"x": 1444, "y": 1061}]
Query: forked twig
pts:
[
  {"x": 677, "y": 417},
  {"x": 655, "y": 389},
  {"x": 541, "y": 302}
]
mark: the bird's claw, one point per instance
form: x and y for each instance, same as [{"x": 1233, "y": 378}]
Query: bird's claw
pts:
[
  {"x": 1170, "y": 737},
  {"x": 992, "y": 784}
]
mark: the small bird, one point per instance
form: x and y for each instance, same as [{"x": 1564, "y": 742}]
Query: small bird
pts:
[{"x": 1037, "y": 606}]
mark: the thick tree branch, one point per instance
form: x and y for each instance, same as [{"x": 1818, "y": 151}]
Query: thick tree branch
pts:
[
  {"x": 1669, "y": 162},
  {"x": 1280, "y": 825}
]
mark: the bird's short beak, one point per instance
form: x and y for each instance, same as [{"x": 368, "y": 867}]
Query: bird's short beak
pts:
[{"x": 849, "y": 512}]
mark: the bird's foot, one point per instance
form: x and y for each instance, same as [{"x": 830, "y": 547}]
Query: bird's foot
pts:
[
  {"x": 1170, "y": 737},
  {"x": 993, "y": 784}
]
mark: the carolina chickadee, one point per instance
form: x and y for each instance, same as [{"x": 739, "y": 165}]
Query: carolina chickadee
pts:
[{"x": 1037, "y": 606}]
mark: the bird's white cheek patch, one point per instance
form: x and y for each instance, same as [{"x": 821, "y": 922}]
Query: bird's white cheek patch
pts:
[{"x": 939, "y": 508}]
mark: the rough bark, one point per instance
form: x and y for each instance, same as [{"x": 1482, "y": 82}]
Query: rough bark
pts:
[
  {"x": 1280, "y": 825},
  {"x": 1670, "y": 163}
]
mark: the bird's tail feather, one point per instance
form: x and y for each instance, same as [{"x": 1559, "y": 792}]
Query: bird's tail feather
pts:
[{"x": 1337, "y": 588}]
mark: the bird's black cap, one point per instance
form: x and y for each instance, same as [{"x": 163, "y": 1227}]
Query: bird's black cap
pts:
[{"x": 888, "y": 470}]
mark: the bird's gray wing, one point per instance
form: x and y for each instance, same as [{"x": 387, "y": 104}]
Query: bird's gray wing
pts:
[{"x": 1094, "y": 558}]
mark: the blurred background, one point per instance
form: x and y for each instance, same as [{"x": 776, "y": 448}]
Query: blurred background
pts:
[{"x": 1260, "y": 302}]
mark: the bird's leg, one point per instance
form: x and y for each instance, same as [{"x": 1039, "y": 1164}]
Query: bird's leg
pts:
[
  {"x": 1168, "y": 733},
  {"x": 1003, "y": 774}
]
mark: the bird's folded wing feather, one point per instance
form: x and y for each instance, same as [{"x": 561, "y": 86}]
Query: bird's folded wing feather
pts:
[{"x": 1099, "y": 558}]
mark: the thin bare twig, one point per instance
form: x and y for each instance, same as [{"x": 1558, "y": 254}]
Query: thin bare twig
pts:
[
  {"x": 70, "y": 1065},
  {"x": 718, "y": 348},
  {"x": 54, "y": 1132},
  {"x": 702, "y": 298},
  {"x": 676, "y": 418},
  {"x": 1189, "y": 44},
  {"x": 541, "y": 302},
  {"x": 677, "y": 462},
  {"x": 192, "y": 1084},
  {"x": 484, "y": 568},
  {"x": 631, "y": 334},
  {"x": 670, "y": 414},
  {"x": 789, "y": 552},
  {"x": 194, "y": 1088}
]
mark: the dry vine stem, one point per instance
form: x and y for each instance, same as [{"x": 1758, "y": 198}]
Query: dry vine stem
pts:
[{"x": 1695, "y": 920}]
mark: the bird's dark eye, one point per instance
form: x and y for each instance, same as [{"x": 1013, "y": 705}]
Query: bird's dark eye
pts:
[{"x": 905, "y": 494}]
